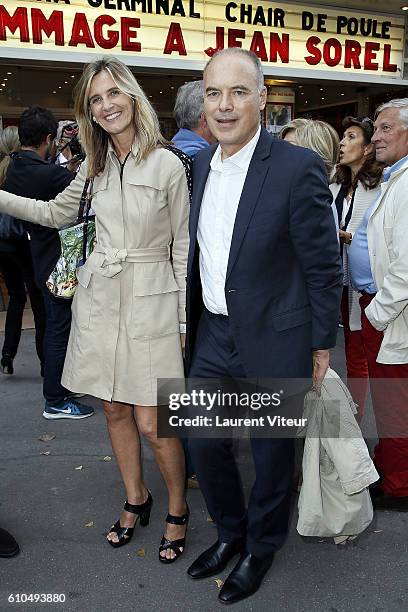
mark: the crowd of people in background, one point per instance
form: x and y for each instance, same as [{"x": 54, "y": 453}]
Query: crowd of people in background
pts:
[{"x": 313, "y": 218}]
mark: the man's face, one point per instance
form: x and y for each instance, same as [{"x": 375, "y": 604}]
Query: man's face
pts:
[
  {"x": 232, "y": 101},
  {"x": 390, "y": 137}
]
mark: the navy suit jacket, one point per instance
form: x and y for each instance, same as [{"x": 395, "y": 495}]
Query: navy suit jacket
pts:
[{"x": 284, "y": 276}]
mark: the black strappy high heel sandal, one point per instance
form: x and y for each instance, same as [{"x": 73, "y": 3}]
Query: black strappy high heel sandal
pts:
[
  {"x": 125, "y": 534},
  {"x": 174, "y": 545}
]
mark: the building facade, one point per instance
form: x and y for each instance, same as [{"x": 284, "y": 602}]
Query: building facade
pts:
[{"x": 319, "y": 59}]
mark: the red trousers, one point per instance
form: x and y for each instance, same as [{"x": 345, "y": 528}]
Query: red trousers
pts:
[
  {"x": 389, "y": 392},
  {"x": 356, "y": 360}
]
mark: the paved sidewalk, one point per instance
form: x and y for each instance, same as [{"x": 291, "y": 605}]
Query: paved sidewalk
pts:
[{"x": 46, "y": 503}]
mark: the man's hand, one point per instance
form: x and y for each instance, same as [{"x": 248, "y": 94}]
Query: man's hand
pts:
[
  {"x": 345, "y": 237},
  {"x": 183, "y": 341},
  {"x": 320, "y": 364}
]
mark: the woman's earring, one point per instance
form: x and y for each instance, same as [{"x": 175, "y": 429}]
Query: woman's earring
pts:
[{"x": 93, "y": 119}]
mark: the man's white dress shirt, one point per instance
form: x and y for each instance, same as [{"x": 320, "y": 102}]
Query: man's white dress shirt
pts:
[{"x": 217, "y": 218}]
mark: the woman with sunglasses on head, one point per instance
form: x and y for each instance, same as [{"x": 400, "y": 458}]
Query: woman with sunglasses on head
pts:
[
  {"x": 355, "y": 187},
  {"x": 129, "y": 308}
]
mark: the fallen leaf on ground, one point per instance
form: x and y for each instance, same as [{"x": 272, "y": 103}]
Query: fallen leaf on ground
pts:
[
  {"x": 46, "y": 453},
  {"x": 90, "y": 524},
  {"x": 47, "y": 436},
  {"x": 377, "y": 531},
  {"x": 218, "y": 582},
  {"x": 107, "y": 458},
  {"x": 79, "y": 467},
  {"x": 141, "y": 552},
  {"x": 209, "y": 519}
]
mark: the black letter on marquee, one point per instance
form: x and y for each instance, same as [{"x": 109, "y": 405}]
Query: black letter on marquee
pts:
[{"x": 307, "y": 20}]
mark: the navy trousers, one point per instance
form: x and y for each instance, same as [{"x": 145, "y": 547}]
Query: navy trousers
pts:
[{"x": 264, "y": 523}]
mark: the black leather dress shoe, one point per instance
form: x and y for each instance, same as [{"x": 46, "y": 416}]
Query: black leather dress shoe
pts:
[
  {"x": 8, "y": 545},
  {"x": 215, "y": 559},
  {"x": 246, "y": 577},
  {"x": 382, "y": 501}
]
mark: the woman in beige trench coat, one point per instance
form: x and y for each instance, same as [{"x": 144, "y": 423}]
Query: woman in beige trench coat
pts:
[{"x": 129, "y": 307}]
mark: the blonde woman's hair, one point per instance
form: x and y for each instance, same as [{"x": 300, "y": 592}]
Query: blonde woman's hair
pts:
[
  {"x": 9, "y": 142},
  {"x": 318, "y": 136},
  {"x": 94, "y": 139}
]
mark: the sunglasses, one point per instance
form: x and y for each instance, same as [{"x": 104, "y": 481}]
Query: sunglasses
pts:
[{"x": 366, "y": 120}]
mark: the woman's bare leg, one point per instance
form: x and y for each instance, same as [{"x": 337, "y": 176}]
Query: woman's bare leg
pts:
[
  {"x": 125, "y": 441},
  {"x": 169, "y": 456}
]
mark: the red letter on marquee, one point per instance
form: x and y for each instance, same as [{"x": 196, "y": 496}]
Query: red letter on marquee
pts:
[
  {"x": 233, "y": 36},
  {"x": 53, "y": 25},
  {"x": 219, "y": 42},
  {"x": 258, "y": 46},
  {"x": 81, "y": 34},
  {"x": 128, "y": 34},
  {"x": 332, "y": 43},
  {"x": 315, "y": 56},
  {"x": 112, "y": 37},
  {"x": 175, "y": 40},
  {"x": 370, "y": 54},
  {"x": 387, "y": 66},
  {"x": 19, "y": 21},
  {"x": 352, "y": 50},
  {"x": 279, "y": 47}
]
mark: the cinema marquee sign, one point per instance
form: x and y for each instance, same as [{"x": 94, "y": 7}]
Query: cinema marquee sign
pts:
[{"x": 280, "y": 34}]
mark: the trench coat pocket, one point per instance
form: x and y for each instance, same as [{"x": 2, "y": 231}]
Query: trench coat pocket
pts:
[
  {"x": 293, "y": 318},
  {"x": 82, "y": 305},
  {"x": 155, "y": 307},
  {"x": 153, "y": 182}
]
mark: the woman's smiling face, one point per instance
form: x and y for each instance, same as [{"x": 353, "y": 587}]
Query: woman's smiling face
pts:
[{"x": 111, "y": 107}]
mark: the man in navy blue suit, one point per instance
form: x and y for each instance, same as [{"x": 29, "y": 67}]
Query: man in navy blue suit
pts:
[{"x": 263, "y": 286}]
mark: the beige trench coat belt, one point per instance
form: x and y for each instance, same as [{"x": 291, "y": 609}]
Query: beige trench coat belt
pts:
[{"x": 110, "y": 265}]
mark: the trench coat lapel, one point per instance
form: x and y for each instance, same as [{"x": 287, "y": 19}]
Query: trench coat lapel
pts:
[{"x": 257, "y": 171}]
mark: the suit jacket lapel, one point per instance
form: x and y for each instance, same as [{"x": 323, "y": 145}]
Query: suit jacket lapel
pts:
[
  {"x": 201, "y": 169},
  {"x": 257, "y": 171}
]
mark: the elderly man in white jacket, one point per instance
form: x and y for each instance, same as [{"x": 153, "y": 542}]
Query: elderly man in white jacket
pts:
[{"x": 379, "y": 270}]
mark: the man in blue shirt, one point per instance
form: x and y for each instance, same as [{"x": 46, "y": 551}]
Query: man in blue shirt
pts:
[
  {"x": 194, "y": 134},
  {"x": 379, "y": 270}
]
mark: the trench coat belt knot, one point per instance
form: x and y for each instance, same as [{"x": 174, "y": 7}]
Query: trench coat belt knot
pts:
[{"x": 113, "y": 258}]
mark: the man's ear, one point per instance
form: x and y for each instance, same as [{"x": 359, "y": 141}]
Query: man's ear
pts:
[
  {"x": 368, "y": 149},
  {"x": 49, "y": 139},
  {"x": 262, "y": 98},
  {"x": 202, "y": 122}
]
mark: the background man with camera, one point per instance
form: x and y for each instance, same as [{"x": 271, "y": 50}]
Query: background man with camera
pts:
[
  {"x": 31, "y": 175},
  {"x": 68, "y": 151}
]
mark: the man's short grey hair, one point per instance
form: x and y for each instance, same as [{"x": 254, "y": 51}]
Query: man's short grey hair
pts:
[
  {"x": 401, "y": 104},
  {"x": 189, "y": 105},
  {"x": 259, "y": 75}
]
